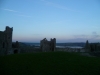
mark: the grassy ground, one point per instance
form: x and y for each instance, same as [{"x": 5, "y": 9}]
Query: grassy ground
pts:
[{"x": 49, "y": 63}]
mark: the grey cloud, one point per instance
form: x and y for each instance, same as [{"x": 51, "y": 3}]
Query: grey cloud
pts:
[
  {"x": 80, "y": 36},
  {"x": 94, "y": 33},
  {"x": 37, "y": 34},
  {"x": 93, "y": 37}
]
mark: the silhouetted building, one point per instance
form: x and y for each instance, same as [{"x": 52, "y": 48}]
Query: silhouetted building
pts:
[
  {"x": 6, "y": 41},
  {"x": 46, "y": 45},
  {"x": 16, "y": 48},
  {"x": 94, "y": 47},
  {"x": 87, "y": 46}
]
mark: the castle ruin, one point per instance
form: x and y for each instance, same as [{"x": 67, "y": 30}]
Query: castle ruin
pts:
[
  {"x": 6, "y": 41},
  {"x": 46, "y": 45}
]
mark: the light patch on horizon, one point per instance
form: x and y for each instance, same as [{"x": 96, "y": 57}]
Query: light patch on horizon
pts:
[{"x": 93, "y": 35}]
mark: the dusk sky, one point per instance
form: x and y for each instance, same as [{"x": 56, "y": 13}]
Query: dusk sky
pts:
[{"x": 65, "y": 20}]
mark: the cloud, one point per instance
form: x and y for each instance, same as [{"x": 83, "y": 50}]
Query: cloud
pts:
[
  {"x": 94, "y": 37},
  {"x": 11, "y": 10},
  {"x": 37, "y": 34},
  {"x": 24, "y": 15},
  {"x": 94, "y": 33},
  {"x": 81, "y": 36},
  {"x": 42, "y": 0},
  {"x": 58, "y": 6},
  {"x": 16, "y": 12}
]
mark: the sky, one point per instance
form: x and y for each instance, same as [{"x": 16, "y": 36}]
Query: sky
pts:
[{"x": 65, "y": 20}]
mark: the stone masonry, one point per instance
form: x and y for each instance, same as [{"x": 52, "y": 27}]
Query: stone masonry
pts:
[
  {"x": 6, "y": 41},
  {"x": 46, "y": 45}
]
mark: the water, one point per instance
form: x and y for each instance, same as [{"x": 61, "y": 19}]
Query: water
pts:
[
  {"x": 62, "y": 45},
  {"x": 69, "y": 47}
]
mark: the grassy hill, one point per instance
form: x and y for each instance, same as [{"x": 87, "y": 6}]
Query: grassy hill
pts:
[{"x": 49, "y": 63}]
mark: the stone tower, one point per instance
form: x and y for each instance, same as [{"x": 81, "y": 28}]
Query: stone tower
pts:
[
  {"x": 8, "y": 39},
  {"x": 53, "y": 44}
]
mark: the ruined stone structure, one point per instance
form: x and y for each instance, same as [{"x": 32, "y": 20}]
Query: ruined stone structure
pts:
[
  {"x": 15, "y": 47},
  {"x": 6, "y": 41},
  {"x": 94, "y": 47},
  {"x": 46, "y": 45}
]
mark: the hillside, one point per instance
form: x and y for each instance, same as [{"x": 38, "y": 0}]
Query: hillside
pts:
[{"x": 49, "y": 63}]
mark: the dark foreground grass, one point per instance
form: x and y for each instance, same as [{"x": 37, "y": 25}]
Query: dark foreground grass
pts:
[{"x": 49, "y": 63}]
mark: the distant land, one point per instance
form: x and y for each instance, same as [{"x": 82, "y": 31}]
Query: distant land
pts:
[{"x": 81, "y": 44}]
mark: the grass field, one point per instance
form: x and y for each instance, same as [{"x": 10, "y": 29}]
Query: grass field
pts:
[{"x": 49, "y": 63}]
